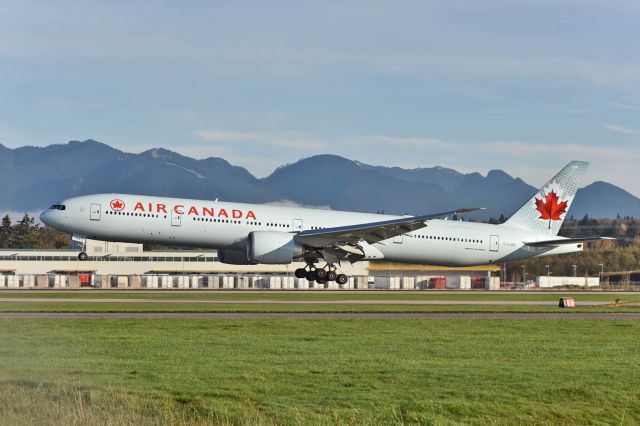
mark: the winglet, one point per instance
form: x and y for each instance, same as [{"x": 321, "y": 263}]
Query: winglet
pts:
[{"x": 469, "y": 209}]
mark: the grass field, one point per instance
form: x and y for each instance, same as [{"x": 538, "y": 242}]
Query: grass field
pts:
[
  {"x": 319, "y": 372},
  {"x": 87, "y": 306}
]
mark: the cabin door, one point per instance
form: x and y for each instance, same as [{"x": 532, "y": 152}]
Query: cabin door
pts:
[
  {"x": 95, "y": 211},
  {"x": 494, "y": 243},
  {"x": 176, "y": 219},
  {"x": 296, "y": 225}
]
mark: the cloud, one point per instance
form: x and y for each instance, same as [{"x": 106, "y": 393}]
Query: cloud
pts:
[
  {"x": 536, "y": 162},
  {"x": 624, "y": 105},
  {"x": 297, "y": 140},
  {"x": 402, "y": 141},
  {"x": 60, "y": 103},
  {"x": 289, "y": 203},
  {"x": 619, "y": 129},
  {"x": 88, "y": 34},
  {"x": 567, "y": 110},
  {"x": 528, "y": 150}
]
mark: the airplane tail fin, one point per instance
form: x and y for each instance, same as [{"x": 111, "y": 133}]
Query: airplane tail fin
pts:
[{"x": 547, "y": 209}]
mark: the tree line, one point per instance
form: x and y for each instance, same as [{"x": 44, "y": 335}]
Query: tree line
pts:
[
  {"x": 621, "y": 254},
  {"x": 28, "y": 234}
]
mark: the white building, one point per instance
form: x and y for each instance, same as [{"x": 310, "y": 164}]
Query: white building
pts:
[
  {"x": 124, "y": 265},
  {"x": 551, "y": 281}
]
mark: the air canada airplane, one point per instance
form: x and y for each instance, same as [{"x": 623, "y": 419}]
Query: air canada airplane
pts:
[{"x": 249, "y": 234}]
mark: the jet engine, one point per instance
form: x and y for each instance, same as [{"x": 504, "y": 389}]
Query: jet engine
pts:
[
  {"x": 234, "y": 257},
  {"x": 272, "y": 247}
]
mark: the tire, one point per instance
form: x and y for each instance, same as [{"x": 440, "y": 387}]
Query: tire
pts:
[
  {"x": 321, "y": 273},
  {"x": 311, "y": 276},
  {"x": 82, "y": 256},
  {"x": 331, "y": 275},
  {"x": 342, "y": 279},
  {"x": 300, "y": 273}
]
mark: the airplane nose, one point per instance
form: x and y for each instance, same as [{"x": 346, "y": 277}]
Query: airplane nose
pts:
[{"x": 45, "y": 217}]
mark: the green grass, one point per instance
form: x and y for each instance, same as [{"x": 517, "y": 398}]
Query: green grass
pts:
[
  {"x": 319, "y": 372},
  {"x": 87, "y": 306}
]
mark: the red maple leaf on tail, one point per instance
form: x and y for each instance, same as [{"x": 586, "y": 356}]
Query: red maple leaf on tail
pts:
[{"x": 549, "y": 208}]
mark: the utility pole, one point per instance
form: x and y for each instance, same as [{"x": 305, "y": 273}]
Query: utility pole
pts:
[{"x": 548, "y": 273}]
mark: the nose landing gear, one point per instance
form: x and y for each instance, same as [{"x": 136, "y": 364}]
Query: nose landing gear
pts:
[{"x": 79, "y": 242}]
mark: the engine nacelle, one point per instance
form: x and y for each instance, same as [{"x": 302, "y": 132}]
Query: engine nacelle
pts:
[
  {"x": 234, "y": 257},
  {"x": 272, "y": 247}
]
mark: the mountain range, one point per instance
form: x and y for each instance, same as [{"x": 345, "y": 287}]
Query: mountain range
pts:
[{"x": 35, "y": 177}]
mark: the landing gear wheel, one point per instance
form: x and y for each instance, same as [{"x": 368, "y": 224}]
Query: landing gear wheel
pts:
[
  {"x": 311, "y": 276},
  {"x": 300, "y": 273},
  {"x": 321, "y": 273},
  {"x": 342, "y": 279},
  {"x": 82, "y": 256},
  {"x": 321, "y": 281},
  {"x": 331, "y": 276}
]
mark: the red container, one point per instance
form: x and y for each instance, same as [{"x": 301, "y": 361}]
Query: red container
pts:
[
  {"x": 478, "y": 282},
  {"x": 85, "y": 279},
  {"x": 439, "y": 283}
]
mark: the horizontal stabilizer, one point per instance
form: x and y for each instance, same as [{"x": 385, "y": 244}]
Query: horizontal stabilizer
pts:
[{"x": 563, "y": 241}]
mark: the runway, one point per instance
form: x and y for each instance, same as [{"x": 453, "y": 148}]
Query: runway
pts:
[
  {"x": 301, "y": 302},
  {"x": 305, "y": 291},
  {"x": 566, "y": 315}
]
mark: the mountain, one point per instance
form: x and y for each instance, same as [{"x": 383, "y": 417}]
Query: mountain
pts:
[
  {"x": 38, "y": 176},
  {"x": 447, "y": 179},
  {"x": 498, "y": 192},
  {"x": 35, "y": 177},
  {"x": 347, "y": 185},
  {"x": 601, "y": 199}
]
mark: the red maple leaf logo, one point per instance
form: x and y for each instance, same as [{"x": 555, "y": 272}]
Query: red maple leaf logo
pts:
[
  {"x": 117, "y": 205},
  {"x": 549, "y": 208}
]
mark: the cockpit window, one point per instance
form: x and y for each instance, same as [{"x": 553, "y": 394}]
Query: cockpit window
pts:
[{"x": 58, "y": 207}]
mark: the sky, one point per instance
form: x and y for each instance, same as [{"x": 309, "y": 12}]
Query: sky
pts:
[{"x": 523, "y": 86}]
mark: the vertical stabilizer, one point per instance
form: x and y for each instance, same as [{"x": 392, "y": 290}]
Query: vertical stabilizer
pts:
[{"x": 547, "y": 209}]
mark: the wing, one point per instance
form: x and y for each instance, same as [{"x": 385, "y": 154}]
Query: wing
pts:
[
  {"x": 563, "y": 241},
  {"x": 372, "y": 232}
]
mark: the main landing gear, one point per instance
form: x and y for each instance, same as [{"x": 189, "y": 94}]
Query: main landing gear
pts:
[
  {"x": 321, "y": 275},
  {"x": 82, "y": 256}
]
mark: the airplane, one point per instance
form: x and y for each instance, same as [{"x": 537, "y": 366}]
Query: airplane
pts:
[{"x": 250, "y": 234}]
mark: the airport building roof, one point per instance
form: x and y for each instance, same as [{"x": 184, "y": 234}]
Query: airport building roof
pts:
[{"x": 387, "y": 266}]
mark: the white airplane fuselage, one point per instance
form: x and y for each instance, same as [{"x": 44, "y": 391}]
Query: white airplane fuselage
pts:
[{"x": 226, "y": 226}]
